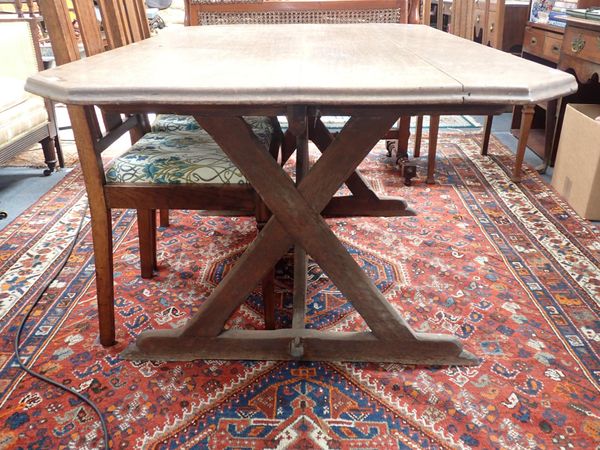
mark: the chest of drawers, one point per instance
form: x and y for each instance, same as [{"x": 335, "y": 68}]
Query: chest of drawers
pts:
[
  {"x": 543, "y": 41},
  {"x": 580, "y": 50},
  {"x": 575, "y": 49}
]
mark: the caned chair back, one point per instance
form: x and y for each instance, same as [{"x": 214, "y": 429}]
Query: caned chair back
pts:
[{"x": 210, "y": 12}]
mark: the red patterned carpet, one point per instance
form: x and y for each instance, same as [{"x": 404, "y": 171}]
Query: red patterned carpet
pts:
[{"x": 510, "y": 270}]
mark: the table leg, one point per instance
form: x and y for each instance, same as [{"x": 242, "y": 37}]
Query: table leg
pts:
[
  {"x": 487, "y": 131},
  {"x": 434, "y": 127},
  {"x": 549, "y": 134},
  {"x": 526, "y": 119},
  {"x": 164, "y": 218},
  {"x": 297, "y": 220},
  {"x": 403, "y": 138}
]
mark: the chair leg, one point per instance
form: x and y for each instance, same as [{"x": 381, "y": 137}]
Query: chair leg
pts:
[
  {"x": 59, "y": 152},
  {"x": 288, "y": 146},
  {"x": 153, "y": 239},
  {"x": 101, "y": 222},
  {"x": 403, "y": 137},
  {"x": 487, "y": 131},
  {"x": 434, "y": 125},
  {"x": 147, "y": 236},
  {"x": 418, "y": 136},
  {"x": 268, "y": 291},
  {"x": 49, "y": 155},
  {"x": 164, "y": 218},
  {"x": 103, "y": 261},
  {"x": 549, "y": 135}
]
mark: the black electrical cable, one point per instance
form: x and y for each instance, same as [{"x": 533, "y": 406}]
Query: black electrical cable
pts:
[{"x": 22, "y": 326}]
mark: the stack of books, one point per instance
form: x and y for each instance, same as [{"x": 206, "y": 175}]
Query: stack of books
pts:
[
  {"x": 552, "y": 12},
  {"x": 590, "y": 13}
]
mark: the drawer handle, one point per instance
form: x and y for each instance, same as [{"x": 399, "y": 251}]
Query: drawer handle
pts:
[
  {"x": 492, "y": 27},
  {"x": 533, "y": 41},
  {"x": 577, "y": 44},
  {"x": 477, "y": 19},
  {"x": 556, "y": 48}
]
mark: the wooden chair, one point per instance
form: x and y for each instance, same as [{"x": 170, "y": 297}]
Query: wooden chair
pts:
[{"x": 108, "y": 189}]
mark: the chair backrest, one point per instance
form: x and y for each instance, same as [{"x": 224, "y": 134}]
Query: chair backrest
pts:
[
  {"x": 461, "y": 21},
  {"x": 210, "y": 12},
  {"x": 19, "y": 44},
  {"x": 125, "y": 21},
  {"x": 120, "y": 20}
]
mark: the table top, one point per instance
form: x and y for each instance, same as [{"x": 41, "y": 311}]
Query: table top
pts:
[{"x": 349, "y": 64}]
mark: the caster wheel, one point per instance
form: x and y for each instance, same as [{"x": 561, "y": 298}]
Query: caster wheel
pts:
[
  {"x": 3, "y": 215},
  {"x": 408, "y": 171},
  {"x": 390, "y": 146},
  {"x": 47, "y": 172}
]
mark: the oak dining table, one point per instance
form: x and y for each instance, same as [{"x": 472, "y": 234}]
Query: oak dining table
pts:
[{"x": 373, "y": 73}]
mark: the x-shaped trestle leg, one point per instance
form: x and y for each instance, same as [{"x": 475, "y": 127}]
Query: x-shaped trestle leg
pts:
[
  {"x": 363, "y": 201},
  {"x": 297, "y": 220}
]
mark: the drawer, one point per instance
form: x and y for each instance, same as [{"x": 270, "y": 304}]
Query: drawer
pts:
[
  {"x": 583, "y": 44},
  {"x": 551, "y": 48},
  {"x": 533, "y": 41}
]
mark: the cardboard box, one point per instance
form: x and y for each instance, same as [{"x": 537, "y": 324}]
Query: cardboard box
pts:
[{"x": 577, "y": 169}]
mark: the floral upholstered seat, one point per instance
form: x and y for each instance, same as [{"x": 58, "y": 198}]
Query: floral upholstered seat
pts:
[
  {"x": 261, "y": 126},
  {"x": 174, "y": 122},
  {"x": 173, "y": 157}
]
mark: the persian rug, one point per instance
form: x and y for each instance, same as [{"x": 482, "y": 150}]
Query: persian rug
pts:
[{"x": 508, "y": 269}]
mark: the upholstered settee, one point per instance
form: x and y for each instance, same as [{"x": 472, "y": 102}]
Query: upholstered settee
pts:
[{"x": 25, "y": 119}]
